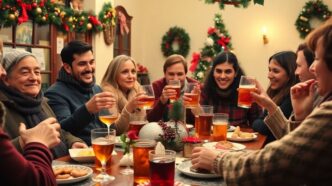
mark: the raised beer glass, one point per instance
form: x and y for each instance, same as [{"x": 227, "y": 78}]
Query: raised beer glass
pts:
[
  {"x": 190, "y": 92},
  {"x": 175, "y": 85},
  {"x": 103, "y": 144},
  {"x": 148, "y": 100},
  {"x": 247, "y": 84}
]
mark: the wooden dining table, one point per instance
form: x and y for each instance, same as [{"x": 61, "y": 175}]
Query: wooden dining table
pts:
[{"x": 124, "y": 180}]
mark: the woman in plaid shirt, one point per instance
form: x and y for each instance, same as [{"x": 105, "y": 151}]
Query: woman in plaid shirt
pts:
[
  {"x": 302, "y": 157},
  {"x": 220, "y": 90}
]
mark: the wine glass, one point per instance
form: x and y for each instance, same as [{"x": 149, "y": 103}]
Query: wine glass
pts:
[
  {"x": 108, "y": 116},
  {"x": 103, "y": 141}
]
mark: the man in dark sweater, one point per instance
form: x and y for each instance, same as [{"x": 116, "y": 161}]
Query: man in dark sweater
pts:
[{"x": 74, "y": 97}]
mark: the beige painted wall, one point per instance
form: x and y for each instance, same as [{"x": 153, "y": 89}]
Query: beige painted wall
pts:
[{"x": 152, "y": 18}]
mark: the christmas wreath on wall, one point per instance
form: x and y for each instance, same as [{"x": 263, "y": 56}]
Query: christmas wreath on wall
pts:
[
  {"x": 235, "y": 3},
  {"x": 175, "y": 41},
  {"x": 311, "y": 9}
]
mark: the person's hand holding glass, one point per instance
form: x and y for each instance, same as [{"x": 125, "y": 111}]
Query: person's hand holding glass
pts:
[
  {"x": 174, "y": 85},
  {"x": 147, "y": 100},
  {"x": 103, "y": 141},
  {"x": 191, "y": 95}
]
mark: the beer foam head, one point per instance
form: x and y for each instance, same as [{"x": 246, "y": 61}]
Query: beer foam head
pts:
[{"x": 160, "y": 149}]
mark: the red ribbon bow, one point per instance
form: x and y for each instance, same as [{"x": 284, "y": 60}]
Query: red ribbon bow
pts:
[
  {"x": 223, "y": 41},
  {"x": 24, "y": 16},
  {"x": 194, "y": 62},
  {"x": 94, "y": 20}
]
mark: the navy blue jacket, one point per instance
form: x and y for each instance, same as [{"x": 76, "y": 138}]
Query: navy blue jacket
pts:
[{"x": 68, "y": 104}]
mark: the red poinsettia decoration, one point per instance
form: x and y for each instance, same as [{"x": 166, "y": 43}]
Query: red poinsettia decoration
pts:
[
  {"x": 211, "y": 30},
  {"x": 141, "y": 69}
]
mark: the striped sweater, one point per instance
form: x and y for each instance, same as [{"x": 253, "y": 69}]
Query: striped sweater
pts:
[{"x": 303, "y": 157}]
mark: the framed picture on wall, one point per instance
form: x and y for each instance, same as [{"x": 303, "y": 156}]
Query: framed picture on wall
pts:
[{"x": 24, "y": 33}]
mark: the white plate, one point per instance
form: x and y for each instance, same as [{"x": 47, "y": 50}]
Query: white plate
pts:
[
  {"x": 82, "y": 155},
  {"x": 184, "y": 168},
  {"x": 229, "y": 137},
  {"x": 212, "y": 145},
  {"x": 231, "y": 128},
  {"x": 71, "y": 179}
]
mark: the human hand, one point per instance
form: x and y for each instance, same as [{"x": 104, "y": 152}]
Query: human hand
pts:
[
  {"x": 135, "y": 102},
  {"x": 203, "y": 158},
  {"x": 79, "y": 145},
  {"x": 46, "y": 132},
  {"x": 261, "y": 98},
  {"x": 195, "y": 90},
  {"x": 100, "y": 101},
  {"x": 168, "y": 92},
  {"x": 302, "y": 97}
]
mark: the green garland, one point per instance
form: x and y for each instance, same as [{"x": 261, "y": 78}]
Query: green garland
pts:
[
  {"x": 311, "y": 9},
  {"x": 15, "y": 12},
  {"x": 175, "y": 34},
  {"x": 235, "y": 3}
]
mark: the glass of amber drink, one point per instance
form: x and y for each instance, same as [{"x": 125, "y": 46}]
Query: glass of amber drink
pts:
[
  {"x": 220, "y": 122},
  {"x": 162, "y": 168},
  {"x": 203, "y": 122},
  {"x": 190, "y": 92},
  {"x": 148, "y": 100},
  {"x": 108, "y": 116},
  {"x": 175, "y": 85},
  {"x": 141, "y": 160},
  {"x": 137, "y": 121},
  {"x": 247, "y": 84},
  {"x": 103, "y": 141}
]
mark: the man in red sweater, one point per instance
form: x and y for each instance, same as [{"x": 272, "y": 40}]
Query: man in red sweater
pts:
[
  {"x": 175, "y": 68},
  {"x": 35, "y": 166}
]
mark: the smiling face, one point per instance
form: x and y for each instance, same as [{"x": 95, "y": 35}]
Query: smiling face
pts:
[
  {"x": 277, "y": 75},
  {"x": 224, "y": 75},
  {"x": 321, "y": 71},
  {"x": 127, "y": 75},
  {"x": 302, "y": 69},
  {"x": 82, "y": 68},
  {"x": 176, "y": 72},
  {"x": 25, "y": 77}
]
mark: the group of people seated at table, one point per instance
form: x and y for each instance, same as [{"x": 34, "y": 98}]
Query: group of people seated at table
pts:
[{"x": 37, "y": 127}]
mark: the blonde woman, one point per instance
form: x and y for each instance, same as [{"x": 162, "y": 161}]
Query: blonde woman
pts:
[{"x": 121, "y": 79}]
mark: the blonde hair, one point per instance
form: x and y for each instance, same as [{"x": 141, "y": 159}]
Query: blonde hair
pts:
[{"x": 113, "y": 70}]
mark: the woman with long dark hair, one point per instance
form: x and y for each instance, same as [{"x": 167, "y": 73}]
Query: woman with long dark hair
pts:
[{"x": 220, "y": 90}]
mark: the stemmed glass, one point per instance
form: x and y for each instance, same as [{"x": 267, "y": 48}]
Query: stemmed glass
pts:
[
  {"x": 103, "y": 141},
  {"x": 108, "y": 116},
  {"x": 148, "y": 100}
]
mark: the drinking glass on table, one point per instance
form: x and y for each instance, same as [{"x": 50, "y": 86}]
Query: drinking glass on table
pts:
[
  {"x": 190, "y": 92},
  {"x": 175, "y": 85},
  {"x": 103, "y": 141},
  {"x": 148, "y": 100},
  {"x": 141, "y": 160},
  {"x": 137, "y": 121},
  {"x": 247, "y": 84},
  {"x": 162, "y": 168},
  {"x": 108, "y": 116},
  {"x": 220, "y": 122}
]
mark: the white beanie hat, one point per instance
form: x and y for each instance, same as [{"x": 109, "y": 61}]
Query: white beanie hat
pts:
[{"x": 13, "y": 57}]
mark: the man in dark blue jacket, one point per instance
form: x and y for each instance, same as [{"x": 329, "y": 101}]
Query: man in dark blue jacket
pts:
[{"x": 74, "y": 97}]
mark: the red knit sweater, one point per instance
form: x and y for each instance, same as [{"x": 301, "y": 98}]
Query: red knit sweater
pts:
[{"x": 32, "y": 168}]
